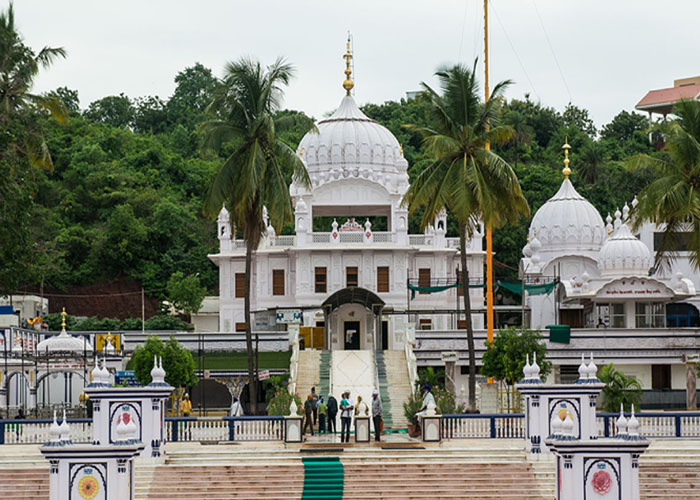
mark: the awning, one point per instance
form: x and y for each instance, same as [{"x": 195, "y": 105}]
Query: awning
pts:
[{"x": 353, "y": 295}]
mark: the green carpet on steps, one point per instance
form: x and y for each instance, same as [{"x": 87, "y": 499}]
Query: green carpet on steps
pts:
[{"x": 323, "y": 478}]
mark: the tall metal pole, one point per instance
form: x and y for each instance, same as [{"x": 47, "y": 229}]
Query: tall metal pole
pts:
[{"x": 489, "y": 239}]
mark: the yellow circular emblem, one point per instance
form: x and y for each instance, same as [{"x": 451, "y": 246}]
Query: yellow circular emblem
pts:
[{"x": 88, "y": 487}]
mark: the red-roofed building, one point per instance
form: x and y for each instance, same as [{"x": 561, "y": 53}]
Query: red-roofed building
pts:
[{"x": 662, "y": 100}]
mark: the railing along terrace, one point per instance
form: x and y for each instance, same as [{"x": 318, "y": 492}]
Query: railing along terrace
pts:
[
  {"x": 483, "y": 425},
  {"x": 271, "y": 428},
  {"x": 260, "y": 428},
  {"x": 37, "y": 430}
]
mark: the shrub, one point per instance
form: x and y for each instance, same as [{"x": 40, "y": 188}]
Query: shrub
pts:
[{"x": 619, "y": 389}]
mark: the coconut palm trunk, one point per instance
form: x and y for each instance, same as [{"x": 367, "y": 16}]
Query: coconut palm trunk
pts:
[
  {"x": 468, "y": 317},
  {"x": 251, "y": 244}
]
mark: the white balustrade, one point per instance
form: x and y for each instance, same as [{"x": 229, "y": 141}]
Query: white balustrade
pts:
[
  {"x": 38, "y": 432},
  {"x": 284, "y": 241}
]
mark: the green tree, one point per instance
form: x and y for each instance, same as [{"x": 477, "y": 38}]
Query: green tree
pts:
[
  {"x": 115, "y": 111},
  {"x": 178, "y": 362},
  {"x": 619, "y": 389},
  {"x": 505, "y": 357},
  {"x": 253, "y": 174},
  {"x": 185, "y": 292},
  {"x": 578, "y": 118},
  {"x": 465, "y": 176},
  {"x": 673, "y": 200},
  {"x": 194, "y": 90},
  {"x": 23, "y": 149}
]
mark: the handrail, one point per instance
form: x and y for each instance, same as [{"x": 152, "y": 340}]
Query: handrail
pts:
[{"x": 293, "y": 363}]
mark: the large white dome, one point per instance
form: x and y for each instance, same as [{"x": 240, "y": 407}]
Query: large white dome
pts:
[
  {"x": 568, "y": 223},
  {"x": 349, "y": 144},
  {"x": 624, "y": 255}
]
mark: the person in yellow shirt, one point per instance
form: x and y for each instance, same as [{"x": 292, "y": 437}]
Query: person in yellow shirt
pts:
[{"x": 186, "y": 406}]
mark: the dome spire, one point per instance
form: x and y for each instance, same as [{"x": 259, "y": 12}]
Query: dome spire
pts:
[
  {"x": 566, "y": 170},
  {"x": 63, "y": 320},
  {"x": 348, "y": 83}
]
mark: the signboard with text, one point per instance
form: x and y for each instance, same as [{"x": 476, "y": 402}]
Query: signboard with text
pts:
[{"x": 288, "y": 316}]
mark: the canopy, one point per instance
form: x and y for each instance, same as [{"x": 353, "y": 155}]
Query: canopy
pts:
[
  {"x": 535, "y": 289},
  {"x": 353, "y": 295},
  {"x": 438, "y": 288}
]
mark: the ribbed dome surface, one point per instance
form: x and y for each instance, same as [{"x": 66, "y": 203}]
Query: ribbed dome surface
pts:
[
  {"x": 624, "y": 255},
  {"x": 64, "y": 343},
  {"x": 349, "y": 137},
  {"x": 568, "y": 222}
]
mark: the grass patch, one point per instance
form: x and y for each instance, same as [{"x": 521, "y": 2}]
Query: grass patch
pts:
[{"x": 239, "y": 360}]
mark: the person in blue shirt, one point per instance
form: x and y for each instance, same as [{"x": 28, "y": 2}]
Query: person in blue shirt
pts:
[{"x": 345, "y": 417}]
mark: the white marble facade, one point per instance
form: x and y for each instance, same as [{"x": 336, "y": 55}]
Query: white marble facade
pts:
[{"x": 357, "y": 169}]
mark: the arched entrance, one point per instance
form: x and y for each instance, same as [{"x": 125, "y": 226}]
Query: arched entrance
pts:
[{"x": 353, "y": 319}]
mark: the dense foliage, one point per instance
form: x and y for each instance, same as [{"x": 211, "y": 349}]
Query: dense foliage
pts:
[
  {"x": 505, "y": 357},
  {"x": 619, "y": 390},
  {"x": 178, "y": 362}
]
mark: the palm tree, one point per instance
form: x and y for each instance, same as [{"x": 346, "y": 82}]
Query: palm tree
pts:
[
  {"x": 465, "y": 177},
  {"x": 673, "y": 200},
  {"x": 19, "y": 65},
  {"x": 254, "y": 175},
  {"x": 591, "y": 161}
]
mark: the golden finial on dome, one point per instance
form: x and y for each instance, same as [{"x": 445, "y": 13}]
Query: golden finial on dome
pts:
[
  {"x": 566, "y": 170},
  {"x": 348, "y": 83},
  {"x": 63, "y": 319}
]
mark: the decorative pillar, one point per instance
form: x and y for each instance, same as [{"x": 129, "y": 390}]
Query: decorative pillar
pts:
[
  {"x": 691, "y": 392},
  {"x": 144, "y": 407},
  {"x": 549, "y": 405},
  {"x": 450, "y": 360},
  {"x": 431, "y": 425},
  {"x": 89, "y": 471},
  {"x": 598, "y": 468},
  {"x": 368, "y": 237},
  {"x": 292, "y": 424}
]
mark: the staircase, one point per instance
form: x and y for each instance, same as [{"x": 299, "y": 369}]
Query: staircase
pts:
[
  {"x": 324, "y": 382},
  {"x": 670, "y": 470},
  {"x": 309, "y": 374},
  {"x": 394, "y": 387},
  {"x": 353, "y": 371},
  {"x": 24, "y": 473}
]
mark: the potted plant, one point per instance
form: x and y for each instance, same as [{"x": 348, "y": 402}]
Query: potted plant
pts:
[{"x": 410, "y": 408}]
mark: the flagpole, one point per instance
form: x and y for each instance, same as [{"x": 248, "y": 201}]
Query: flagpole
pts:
[{"x": 489, "y": 238}]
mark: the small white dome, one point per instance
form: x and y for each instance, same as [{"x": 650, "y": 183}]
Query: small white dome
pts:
[
  {"x": 624, "y": 255},
  {"x": 568, "y": 222},
  {"x": 64, "y": 343}
]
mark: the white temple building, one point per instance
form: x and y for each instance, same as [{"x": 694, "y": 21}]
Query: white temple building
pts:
[
  {"x": 604, "y": 269},
  {"x": 348, "y": 278}
]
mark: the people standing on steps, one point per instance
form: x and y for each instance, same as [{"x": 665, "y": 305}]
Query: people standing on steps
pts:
[
  {"x": 377, "y": 414},
  {"x": 345, "y": 417},
  {"x": 309, "y": 414},
  {"x": 322, "y": 409},
  {"x": 314, "y": 398},
  {"x": 332, "y": 412}
]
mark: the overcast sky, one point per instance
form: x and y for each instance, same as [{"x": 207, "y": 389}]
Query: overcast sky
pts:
[{"x": 610, "y": 52}]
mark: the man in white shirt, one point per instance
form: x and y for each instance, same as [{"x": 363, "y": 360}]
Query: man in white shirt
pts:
[{"x": 427, "y": 399}]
